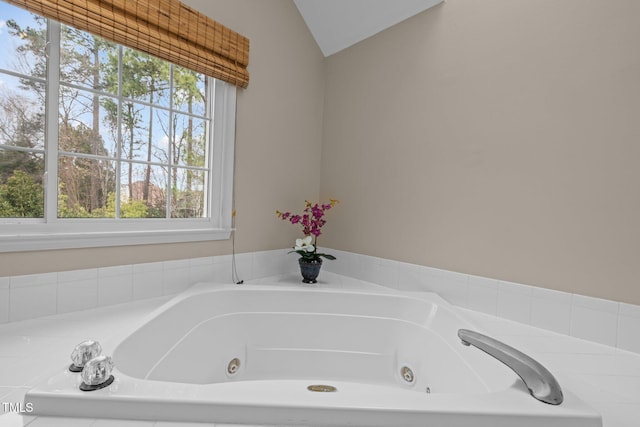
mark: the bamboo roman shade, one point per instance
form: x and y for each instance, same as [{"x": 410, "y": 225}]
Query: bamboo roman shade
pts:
[{"x": 167, "y": 29}]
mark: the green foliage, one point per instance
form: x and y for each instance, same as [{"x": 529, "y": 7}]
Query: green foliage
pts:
[
  {"x": 132, "y": 209},
  {"x": 21, "y": 197},
  {"x": 69, "y": 210}
]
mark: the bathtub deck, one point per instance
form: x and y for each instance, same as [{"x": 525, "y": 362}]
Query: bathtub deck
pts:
[{"x": 606, "y": 378}]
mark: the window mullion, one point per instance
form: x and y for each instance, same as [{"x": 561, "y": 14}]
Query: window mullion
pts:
[
  {"x": 210, "y": 96},
  {"x": 51, "y": 121},
  {"x": 119, "y": 136},
  {"x": 170, "y": 144}
]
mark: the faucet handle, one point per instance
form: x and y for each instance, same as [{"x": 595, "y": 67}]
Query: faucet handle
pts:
[
  {"x": 84, "y": 352},
  {"x": 97, "y": 373}
]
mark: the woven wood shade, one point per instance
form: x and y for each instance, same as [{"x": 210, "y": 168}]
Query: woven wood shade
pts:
[{"x": 167, "y": 29}]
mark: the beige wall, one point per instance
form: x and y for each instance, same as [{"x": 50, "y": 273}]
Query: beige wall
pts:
[
  {"x": 497, "y": 137},
  {"x": 278, "y": 142},
  {"x": 494, "y": 137}
]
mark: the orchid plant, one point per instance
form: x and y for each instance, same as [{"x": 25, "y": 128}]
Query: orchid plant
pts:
[{"x": 312, "y": 220}]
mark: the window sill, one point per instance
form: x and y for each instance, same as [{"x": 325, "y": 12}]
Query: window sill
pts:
[{"x": 71, "y": 240}]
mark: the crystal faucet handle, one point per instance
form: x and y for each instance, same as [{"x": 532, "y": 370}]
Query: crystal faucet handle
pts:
[
  {"x": 84, "y": 352},
  {"x": 97, "y": 373}
]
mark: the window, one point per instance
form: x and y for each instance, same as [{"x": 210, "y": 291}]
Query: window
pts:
[{"x": 104, "y": 145}]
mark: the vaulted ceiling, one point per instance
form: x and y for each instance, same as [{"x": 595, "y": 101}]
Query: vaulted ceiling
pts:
[{"x": 338, "y": 24}]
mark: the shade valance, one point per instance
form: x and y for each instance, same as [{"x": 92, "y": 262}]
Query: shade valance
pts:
[{"x": 167, "y": 29}]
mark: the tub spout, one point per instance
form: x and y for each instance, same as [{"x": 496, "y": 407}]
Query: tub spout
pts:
[{"x": 541, "y": 383}]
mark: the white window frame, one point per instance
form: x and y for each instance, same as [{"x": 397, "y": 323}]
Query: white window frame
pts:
[{"x": 52, "y": 232}]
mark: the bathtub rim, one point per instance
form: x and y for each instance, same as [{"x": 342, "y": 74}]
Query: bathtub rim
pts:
[{"x": 483, "y": 404}]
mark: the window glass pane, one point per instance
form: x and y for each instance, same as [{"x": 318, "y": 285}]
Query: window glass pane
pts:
[
  {"x": 21, "y": 189},
  {"x": 21, "y": 112},
  {"x": 87, "y": 123},
  {"x": 22, "y": 41},
  {"x": 86, "y": 188},
  {"x": 22, "y": 167},
  {"x": 188, "y": 193},
  {"x": 190, "y": 140},
  {"x": 189, "y": 91},
  {"x": 145, "y": 78},
  {"x": 144, "y": 133},
  {"x": 157, "y": 194},
  {"x": 88, "y": 61},
  {"x": 143, "y": 191}
]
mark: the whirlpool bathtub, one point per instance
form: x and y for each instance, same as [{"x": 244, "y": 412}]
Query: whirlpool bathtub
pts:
[{"x": 283, "y": 355}]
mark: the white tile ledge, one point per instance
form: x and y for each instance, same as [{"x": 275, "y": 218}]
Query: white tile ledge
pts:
[
  {"x": 38, "y": 295},
  {"x": 594, "y": 319},
  {"x": 598, "y": 320}
]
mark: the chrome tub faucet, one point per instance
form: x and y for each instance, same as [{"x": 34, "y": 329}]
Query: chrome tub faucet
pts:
[{"x": 541, "y": 383}]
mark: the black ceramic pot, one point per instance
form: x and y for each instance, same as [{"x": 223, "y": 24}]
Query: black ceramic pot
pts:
[{"x": 309, "y": 269}]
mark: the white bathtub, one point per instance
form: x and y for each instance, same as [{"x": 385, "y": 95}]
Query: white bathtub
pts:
[{"x": 175, "y": 366}]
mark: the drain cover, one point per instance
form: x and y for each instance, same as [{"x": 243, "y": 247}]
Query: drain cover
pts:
[{"x": 321, "y": 388}]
